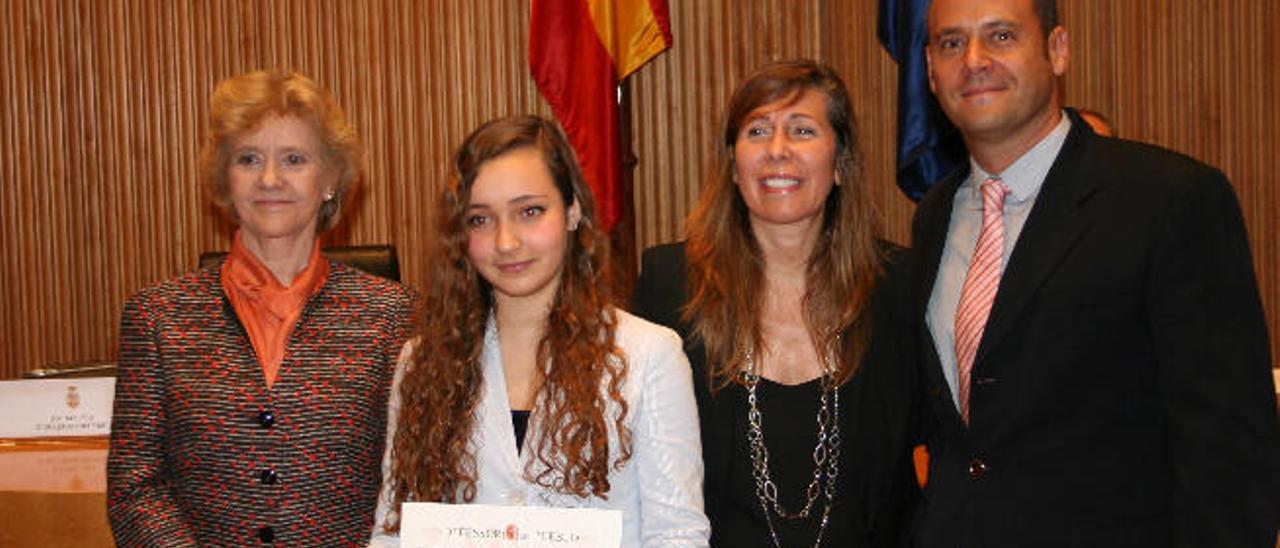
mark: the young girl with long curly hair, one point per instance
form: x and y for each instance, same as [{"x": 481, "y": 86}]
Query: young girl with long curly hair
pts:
[{"x": 519, "y": 335}]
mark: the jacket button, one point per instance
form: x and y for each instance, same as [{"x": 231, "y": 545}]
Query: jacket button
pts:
[
  {"x": 269, "y": 477},
  {"x": 266, "y": 534},
  {"x": 266, "y": 419},
  {"x": 977, "y": 469}
]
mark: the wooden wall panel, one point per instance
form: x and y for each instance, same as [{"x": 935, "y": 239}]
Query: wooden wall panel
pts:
[
  {"x": 102, "y": 111},
  {"x": 105, "y": 108},
  {"x": 852, "y": 47}
]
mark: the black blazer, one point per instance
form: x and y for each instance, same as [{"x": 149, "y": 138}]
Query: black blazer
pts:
[
  {"x": 1121, "y": 392},
  {"x": 876, "y": 406}
]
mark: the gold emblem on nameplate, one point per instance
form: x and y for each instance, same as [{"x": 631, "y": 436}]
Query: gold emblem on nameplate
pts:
[{"x": 73, "y": 398}]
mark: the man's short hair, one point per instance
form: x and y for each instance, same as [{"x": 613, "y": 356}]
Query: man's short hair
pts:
[{"x": 1047, "y": 13}]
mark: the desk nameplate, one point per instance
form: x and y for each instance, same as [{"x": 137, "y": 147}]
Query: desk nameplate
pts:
[{"x": 48, "y": 408}]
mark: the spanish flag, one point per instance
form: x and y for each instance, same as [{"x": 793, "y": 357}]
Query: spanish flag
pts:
[{"x": 579, "y": 50}]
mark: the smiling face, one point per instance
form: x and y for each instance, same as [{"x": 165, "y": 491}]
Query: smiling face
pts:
[
  {"x": 277, "y": 179},
  {"x": 993, "y": 70},
  {"x": 784, "y": 160},
  {"x": 518, "y": 226}
]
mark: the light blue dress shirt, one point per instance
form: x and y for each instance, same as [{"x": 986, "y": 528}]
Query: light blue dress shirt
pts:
[{"x": 1024, "y": 178}]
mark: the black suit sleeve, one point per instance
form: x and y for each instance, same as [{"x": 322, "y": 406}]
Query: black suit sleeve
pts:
[
  {"x": 1210, "y": 339},
  {"x": 660, "y": 292},
  {"x": 891, "y": 366}
]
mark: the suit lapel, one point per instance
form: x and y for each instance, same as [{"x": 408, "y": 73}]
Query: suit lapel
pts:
[
  {"x": 932, "y": 231},
  {"x": 1058, "y": 219}
]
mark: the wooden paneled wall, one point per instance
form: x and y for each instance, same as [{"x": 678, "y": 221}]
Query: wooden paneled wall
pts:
[{"x": 102, "y": 111}]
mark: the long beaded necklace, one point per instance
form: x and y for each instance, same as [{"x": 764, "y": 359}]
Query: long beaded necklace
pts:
[{"x": 826, "y": 453}]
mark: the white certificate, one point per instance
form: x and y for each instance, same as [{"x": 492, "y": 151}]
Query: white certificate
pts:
[{"x": 433, "y": 525}]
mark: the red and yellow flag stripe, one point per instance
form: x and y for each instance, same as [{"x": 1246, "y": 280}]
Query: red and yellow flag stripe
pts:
[{"x": 578, "y": 52}]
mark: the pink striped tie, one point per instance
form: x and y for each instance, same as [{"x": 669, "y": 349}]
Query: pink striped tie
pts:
[{"x": 980, "y": 285}]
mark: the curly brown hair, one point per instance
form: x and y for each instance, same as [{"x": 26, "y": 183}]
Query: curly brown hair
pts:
[
  {"x": 726, "y": 267},
  {"x": 432, "y": 454}
]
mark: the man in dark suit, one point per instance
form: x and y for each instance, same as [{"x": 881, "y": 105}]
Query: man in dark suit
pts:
[{"x": 1095, "y": 356}]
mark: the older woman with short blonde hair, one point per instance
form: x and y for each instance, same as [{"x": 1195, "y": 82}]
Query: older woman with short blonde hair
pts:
[{"x": 250, "y": 405}]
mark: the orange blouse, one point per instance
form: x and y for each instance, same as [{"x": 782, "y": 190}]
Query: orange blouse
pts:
[{"x": 267, "y": 309}]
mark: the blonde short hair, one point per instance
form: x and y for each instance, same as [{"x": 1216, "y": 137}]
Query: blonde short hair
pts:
[{"x": 240, "y": 103}]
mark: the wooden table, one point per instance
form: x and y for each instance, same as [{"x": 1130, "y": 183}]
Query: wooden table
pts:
[{"x": 53, "y": 493}]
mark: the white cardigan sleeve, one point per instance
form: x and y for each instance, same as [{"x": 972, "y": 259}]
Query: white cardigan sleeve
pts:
[
  {"x": 380, "y": 538},
  {"x": 665, "y": 443}
]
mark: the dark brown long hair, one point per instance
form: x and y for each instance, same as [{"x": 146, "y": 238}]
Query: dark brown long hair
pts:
[
  {"x": 726, "y": 267},
  {"x": 432, "y": 455}
]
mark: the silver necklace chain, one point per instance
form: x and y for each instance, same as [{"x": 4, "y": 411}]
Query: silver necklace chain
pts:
[{"x": 826, "y": 454}]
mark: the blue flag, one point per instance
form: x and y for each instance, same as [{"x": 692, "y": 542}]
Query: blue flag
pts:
[{"x": 929, "y": 147}]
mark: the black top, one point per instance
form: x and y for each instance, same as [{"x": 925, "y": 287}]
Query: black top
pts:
[
  {"x": 520, "y": 422},
  {"x": 876, "y": 486},
  {"x": 790, "y": 427}
]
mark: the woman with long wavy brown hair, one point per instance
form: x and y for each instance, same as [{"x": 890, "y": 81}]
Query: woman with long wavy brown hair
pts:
[
  {"x": 784, "y": 294},
  {"x": 519, "y": 335}
]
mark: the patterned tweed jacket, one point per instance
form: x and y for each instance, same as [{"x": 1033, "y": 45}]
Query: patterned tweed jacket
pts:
[{"x": 203, "y": 452}]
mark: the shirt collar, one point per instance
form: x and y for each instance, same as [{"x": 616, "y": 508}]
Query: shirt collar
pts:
[{"x": 1026, "y": 174}]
